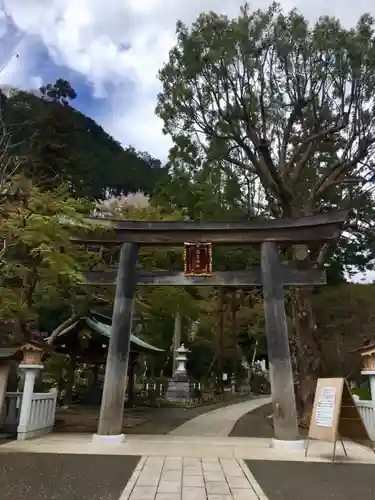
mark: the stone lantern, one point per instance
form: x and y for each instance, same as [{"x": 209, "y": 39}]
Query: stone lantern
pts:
[
  {"x": 31, "y": 364},
  {"x": 180, "y": 386},
  {"x": 32, "y": 354},
  {"x": 181, "y": 359}
]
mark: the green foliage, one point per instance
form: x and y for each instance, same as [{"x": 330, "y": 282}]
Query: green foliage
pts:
[
  {"x": 345, "y": 318},
  {"x": 279, "y": 110},
  {"x": 363, "y": 393},
  {"x": 58, "y": 144},
  {"x": 38, "y": 259}
]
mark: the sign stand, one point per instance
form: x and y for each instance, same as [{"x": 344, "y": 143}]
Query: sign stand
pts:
[{"x": 335, "y": 416}]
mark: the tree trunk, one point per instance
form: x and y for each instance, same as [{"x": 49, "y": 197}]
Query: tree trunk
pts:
[
  {"x": 306, "y": 350},
  {"x": 70, "y": 379},
  {"x": 13, "y": 377}
]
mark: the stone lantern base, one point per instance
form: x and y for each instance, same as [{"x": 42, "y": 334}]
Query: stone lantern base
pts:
[{"x": 180, "y": 388}]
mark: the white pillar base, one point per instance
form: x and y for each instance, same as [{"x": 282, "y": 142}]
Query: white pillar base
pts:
[
  {"x": 295, "y": 445},
  {"x": 113, "y": 439}
]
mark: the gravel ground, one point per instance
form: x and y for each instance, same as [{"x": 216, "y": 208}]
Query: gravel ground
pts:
[
  {"x": 44, "y": 476},
  {"x": 139, "y": 420},
  {"x": 314, "y": 481}
]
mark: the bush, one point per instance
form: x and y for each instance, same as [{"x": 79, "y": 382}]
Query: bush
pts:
[{"x": 363, "y": 393}]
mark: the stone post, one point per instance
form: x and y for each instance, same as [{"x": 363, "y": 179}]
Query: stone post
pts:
[
  {"x": 112, "y": 405},
  {"x": 285, "y": 420},
  {"x": 30, "y": 373}
]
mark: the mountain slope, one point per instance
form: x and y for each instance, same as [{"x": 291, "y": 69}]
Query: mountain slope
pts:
[{"x": 58, "y": 144}]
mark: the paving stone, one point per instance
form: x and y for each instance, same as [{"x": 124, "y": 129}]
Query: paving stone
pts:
[
  {"x": 196, "y": 481},
  {"x": 147, "y": 480},
  {"x": 234, "y": 472},
  {"x": 143, "y": 493},
  {"x": 172, "y": 463},
  {"x": 152, "y": 470},
  {"x": 238, "y": 483},
  {"x": 171, "y": 475},
  {"x": 169, "y": 486},
  {"x": 219, "y": 497},
  {"x": 190, "y": 493},
  {"x": 214, "y": 476},
  {"x": 192, "y": 470},
  {"x": 248, "y": 494},
  {"x": 192, "y": 461},
  {"x": 155, "y": 461},
  {"x": 211, "y": 466},
  {"x": 217, "y": 488},
  {"x": 168, "y": 496}
]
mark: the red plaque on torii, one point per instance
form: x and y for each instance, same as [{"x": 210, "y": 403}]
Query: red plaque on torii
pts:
[{"x": 197, "y": 259}]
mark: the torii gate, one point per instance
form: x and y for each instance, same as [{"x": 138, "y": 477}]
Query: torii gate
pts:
[{"x": 271, "y": 275}]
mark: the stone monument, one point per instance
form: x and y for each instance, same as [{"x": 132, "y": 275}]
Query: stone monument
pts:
[{"x": 180, "y": 386}]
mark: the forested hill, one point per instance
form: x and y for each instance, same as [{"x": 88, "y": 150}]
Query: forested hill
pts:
[{"x": 57, "y": 143}]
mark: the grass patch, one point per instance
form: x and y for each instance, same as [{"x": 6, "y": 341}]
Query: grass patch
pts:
[{"x": 362, "y": 393}]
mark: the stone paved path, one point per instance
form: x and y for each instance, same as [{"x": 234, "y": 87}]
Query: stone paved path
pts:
[
  {"x": 219, "y": 422},
  {"x": 189, "y": 478},
  {"x": 193, "y": 478}
]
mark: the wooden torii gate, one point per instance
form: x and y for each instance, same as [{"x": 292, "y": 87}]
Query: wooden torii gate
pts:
[{"x": 271, "y": 275}]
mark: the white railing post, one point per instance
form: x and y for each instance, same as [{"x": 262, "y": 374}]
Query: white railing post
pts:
[{"x": 27, "y": 397}]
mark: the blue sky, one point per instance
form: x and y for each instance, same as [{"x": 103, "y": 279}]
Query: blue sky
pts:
[
  {"x": 111, "y": 51},
  {"x": 50, "y": 72}
]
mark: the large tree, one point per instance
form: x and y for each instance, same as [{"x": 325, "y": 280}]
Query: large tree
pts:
[{"x": 286, "y": 110}]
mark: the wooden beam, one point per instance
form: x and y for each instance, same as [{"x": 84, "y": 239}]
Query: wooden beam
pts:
[
  {"x": 322, "y": 227},
  {"x": 112, "y": 405},
  {"x": 251, "y": 277},
  {"x": 281, "y": 375}
]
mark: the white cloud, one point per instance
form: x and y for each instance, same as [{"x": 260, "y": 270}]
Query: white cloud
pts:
[{"x": 89, "y": 35}]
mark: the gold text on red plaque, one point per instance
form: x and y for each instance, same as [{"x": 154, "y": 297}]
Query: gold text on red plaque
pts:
[{"x": 197, "y": 259}]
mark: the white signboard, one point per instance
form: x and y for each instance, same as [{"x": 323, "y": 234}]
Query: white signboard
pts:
[{"x": 325, "y": 407}]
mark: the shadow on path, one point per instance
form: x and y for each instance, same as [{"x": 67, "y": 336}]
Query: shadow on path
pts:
[
  {"x": 314, "y": 481},
  {"x": 257, "y": 424},
  {"x": 45, "y": 476}
]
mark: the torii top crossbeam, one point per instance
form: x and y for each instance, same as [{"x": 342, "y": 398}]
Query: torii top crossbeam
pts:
[{"x": 322, "y": 227}]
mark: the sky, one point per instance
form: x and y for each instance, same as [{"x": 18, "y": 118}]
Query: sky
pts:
[{"x": 111, "y": 50}]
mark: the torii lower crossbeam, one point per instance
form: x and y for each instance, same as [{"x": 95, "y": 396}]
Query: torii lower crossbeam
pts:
[{"x": 237, "y": 279}]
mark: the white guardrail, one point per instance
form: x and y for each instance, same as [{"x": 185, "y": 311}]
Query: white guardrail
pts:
[
  {"x": 40, "y": 420},
  {"x": 367, "y": 411}
]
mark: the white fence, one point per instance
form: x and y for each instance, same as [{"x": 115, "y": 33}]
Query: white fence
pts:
[
  {"x": 40, "y": 420},
  {"x": 367, "y": 411}
]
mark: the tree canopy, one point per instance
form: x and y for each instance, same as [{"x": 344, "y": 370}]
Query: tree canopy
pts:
[
  {"x": 280, "y": 114},
  {"x": 283, "y": 109}
]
